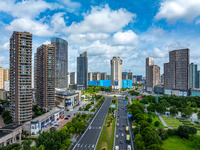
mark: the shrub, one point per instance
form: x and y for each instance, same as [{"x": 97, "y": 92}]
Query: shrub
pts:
[
  {"x": 157, "y": 123},
  {"x": 170, "y": 132},
  {"x": 149, "y": 120}
]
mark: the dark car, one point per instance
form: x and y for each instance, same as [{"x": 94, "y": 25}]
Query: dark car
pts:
[
  {"x": 121, "y": 142},
  {"x": 52, "y": 128},
  {"x": 123, "y": 125},
  {"x": 66, "y": 118},
  {"x": 120, "y": 130}
]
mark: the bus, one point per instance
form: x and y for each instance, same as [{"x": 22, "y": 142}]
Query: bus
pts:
[
  {"x": 127, "y": 138},
  {"x": 127, "y": 129}
]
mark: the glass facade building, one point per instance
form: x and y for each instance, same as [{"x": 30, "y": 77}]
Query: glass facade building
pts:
[{"x": 61, "y": 62}]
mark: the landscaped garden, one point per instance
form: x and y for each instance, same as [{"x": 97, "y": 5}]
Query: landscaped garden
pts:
[{"x": 171, "y": 122}]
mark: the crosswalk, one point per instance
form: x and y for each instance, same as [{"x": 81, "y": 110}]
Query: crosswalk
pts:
[{"x": 88, "y": 146}]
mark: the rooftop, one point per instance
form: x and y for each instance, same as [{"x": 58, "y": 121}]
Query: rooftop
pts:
[
  {"x": 66, "y": 92},
  {"x": 10, "y": 127}
]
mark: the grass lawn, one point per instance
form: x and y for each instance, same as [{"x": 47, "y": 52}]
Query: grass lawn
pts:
[
  {"x": 172, "y": 122},
  {"x": 177, "y": 143},
  {"x": 154, "y": 119},
  {"x": 106, "y": 139}
]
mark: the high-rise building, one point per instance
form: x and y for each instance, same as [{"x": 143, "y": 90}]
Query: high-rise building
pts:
[
  {"x": 21, "y": 76},
  {"x": 130, "y": 75},
  {"x": 138, "y": 77},
  {"x": 5, "y": 75},
  {"x": 193, "y": 76},
  {"x": 103, "y": 76},
  {"x": 82, "y": 71},
  {"x": 1, "y": 78},
  {"x": 72, "y": 77},
  {"x": 177, "y": 70},
  {"x": 45, "y": 74},
  {"x": 152, "y": 73},
  {"x": 61, "y": 62},
  {"x": 89, "y": 76},
  {"x": 116, "y": 72},
  {"x": 162, "y": 79}
]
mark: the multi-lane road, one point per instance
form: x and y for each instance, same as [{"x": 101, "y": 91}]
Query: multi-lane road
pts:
[
  {"x": 89, "y": 139},
  {"x": 122, "y": 120}
]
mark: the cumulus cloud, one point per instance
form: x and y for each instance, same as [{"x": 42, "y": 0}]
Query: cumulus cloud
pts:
[
  {"x": 4, "y": 46},
  {"x": 34, "y": 27},
  {"x": 173, "y": 10},
  {"x": 127, "y": 38},
  {"x": 71, "y": 6},
  {"x": 26, "y": 8},
  {"x": 102, "y": 19}
]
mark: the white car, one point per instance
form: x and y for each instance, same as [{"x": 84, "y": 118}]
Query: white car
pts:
[
  {"x": 129, "y": 147},
  {"x": 122, "y": 134},
  {"x": 117, "y": 136},
  {"x": 116, "y": 147}
]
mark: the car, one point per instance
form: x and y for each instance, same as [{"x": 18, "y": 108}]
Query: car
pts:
[
  {"x": 129, "y": 147},
  {"x": 122, "y": 134},
  {"x": 121, "y": 142},
  {"x": 68, "y": 116},
  {"x": 117, "y": 124},
  {"x": 116, "y": 147},
  {"x": 117, "y": 136},
  {"x": 52, "y": 128},
  {"x": 57, "y": 124},
  {"x": 123, "y": 125},
  {"x": 120, "y": 130}
]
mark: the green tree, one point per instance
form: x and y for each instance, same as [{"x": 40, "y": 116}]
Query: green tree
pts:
[
  {"x": 26, "y": 145},
  {"x": 161, "y": 109},
  {"x": 151, "y": 137},
  {"x": 173, "y": 111},
  {"x": 187, "y": 112},
  {"x": 184, "y": 131},
  {"x": 149, "y": 120},
  {"x": 195, "y": 139}
]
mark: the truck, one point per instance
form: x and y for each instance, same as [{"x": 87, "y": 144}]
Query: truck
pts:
[{"x": 127, "y": 138}]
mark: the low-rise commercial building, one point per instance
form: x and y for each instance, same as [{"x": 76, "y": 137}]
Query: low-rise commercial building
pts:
[
  {"x": 43, "y": 121},
  {"x": 68, "y": 99}
]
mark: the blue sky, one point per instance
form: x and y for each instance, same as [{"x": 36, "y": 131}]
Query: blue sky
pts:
[{"x": 130, "y": 29}]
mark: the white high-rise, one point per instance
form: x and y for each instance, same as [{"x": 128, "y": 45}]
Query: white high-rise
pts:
[{"x": 116, "y": 72}]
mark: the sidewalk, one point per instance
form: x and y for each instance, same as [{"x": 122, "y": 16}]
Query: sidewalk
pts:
[{"x": 163, "y": 122}]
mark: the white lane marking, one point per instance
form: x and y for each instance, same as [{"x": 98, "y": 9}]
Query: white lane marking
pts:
[
  {"x": 82, "y": 145},
  {"x": 85, "y": 145},
  {"x": 78, "y": 145}
]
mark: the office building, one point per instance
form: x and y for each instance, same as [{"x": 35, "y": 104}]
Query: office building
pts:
[
  {"x": 21, "y": 76},
  {"x": 108, "y": 77},
  {"x": 89, "y": 76},
  {"x": 103, "y": 76},
  {"x": 94, "y": 76},
  {"x": 4, "y": 76},
  {"x": 130, "y": 75},
  {"x": 177, "y": 70},
  {"x": 61, "y": 62},
  {"x": 138, "y": 77},
  {"x": 162, "y": 79},
  {"x": 193, "y": 76},
  {"x": 45, "y": 74},
  {"x": 82, "y": 71},
  {"x": 116, "y": 72},
  {"x": 152, "y": 74}
]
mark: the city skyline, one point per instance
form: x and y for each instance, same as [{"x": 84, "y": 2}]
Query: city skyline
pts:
[{"x": 147, "y": 30}]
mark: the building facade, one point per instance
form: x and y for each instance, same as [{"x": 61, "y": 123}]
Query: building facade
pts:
[
  {"x": 116, "y": 72},
  {"x": 45, "y": 74},
  {"x": 177, "y": 70},
  {"x": 1, "y": 78},
  {"x": 82, "y": 71},
  {"x": 61, "y": 62},
  {"x": 152, "y": 73},
  {"x": 103, "y": 76},
  {"x": 21, "y": 76},
  {"x": 72, "y": 77},
  {"x": 193, "y": 76}
]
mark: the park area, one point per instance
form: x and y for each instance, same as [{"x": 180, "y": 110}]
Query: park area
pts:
[
  {"x": 177, "y": 143},
  {"x": 171, "y": 122}
]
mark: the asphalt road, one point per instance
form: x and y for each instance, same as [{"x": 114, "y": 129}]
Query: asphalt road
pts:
[
  {"x": 89, "y": 139},
  {"x": 123, "y": 122}
]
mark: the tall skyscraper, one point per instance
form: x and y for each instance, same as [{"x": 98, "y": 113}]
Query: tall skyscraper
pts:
[
  {"x": 124, "y": 75},
  {"x": 177, "y": 70},
  {"x": 193, "y": 76},
  {"x": 45, "y": 74},
  {"x": 61, "y": 62},
  {"x": 21, "y": 76},
  {"x": 116, "y": 72},
  {"x": 152, "y": 73},
  {"x": 82, "y": 71},
  {"x": 1, "y": 78}
]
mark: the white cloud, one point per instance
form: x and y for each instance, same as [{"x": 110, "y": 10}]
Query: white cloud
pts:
[
  {"x": 58, "y": 22},
  {"x": 173, "y": 10},
  {"x": 102, "y": 19},
  {"x": 26, "y": 8},
  {"x": 34, "y": 27},
  {"x": 127, "y": 38},
  {"x": 77, "y": 38},
  {"x": 71, "y": 6},
  {"x": 5, "y": 46}
]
